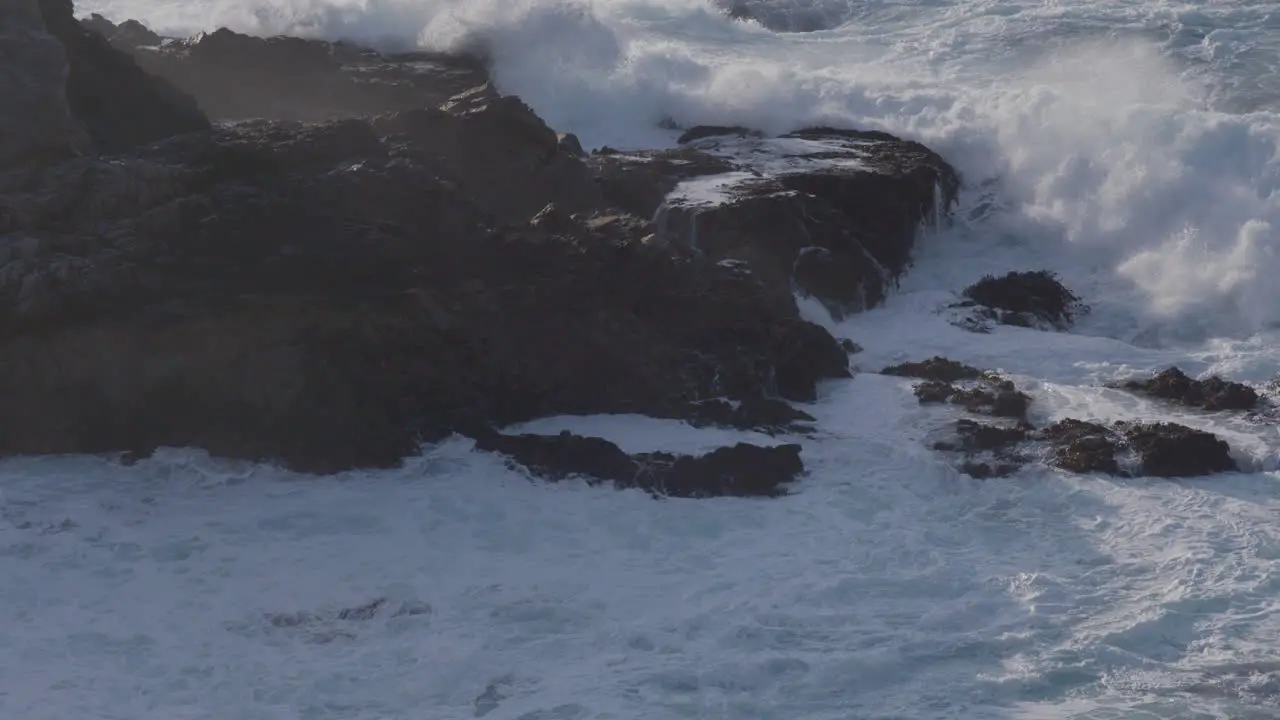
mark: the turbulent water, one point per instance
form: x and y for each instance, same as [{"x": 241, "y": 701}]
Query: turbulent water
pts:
[{"x": 1130, "y": 146}]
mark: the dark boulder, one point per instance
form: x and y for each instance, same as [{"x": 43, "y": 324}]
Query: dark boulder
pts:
[
  {"x": 1212, "y": 393},
  {"x": 741, "y": 470},
  {"x": 1171, "y": 450},
  {"x": 1025, "y": 299},
  {"x": 119, "y": 104}
]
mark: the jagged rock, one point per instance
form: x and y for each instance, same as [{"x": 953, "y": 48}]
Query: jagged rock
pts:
[
  {"x": 237, "y": 77},
  {"x": 1171, "y": 450},
  {"x": 320, "y": 296},
  {"x": 1212, "y": 393},
  {"x": 117, "y": 103},
  {"x": 833, "y": 212},
  {"x": 937, "y": 369},
  {"x": 1025, "y": 299},
  {"x": 1083, "y": 447},
  {"x": 741, "y": 470},
  {"x": 129, "y": 35},
  {"x": 36, "y": 124}
]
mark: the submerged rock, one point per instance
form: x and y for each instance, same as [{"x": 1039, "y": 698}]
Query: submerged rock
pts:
[
  {"x": 1025, "y": 299},
  {"x": 1212, "y": 393},
  {"x": 742, "y": 470}
]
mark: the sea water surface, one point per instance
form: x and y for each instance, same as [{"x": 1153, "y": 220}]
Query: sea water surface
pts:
[{"x": 1129, "y": 146}]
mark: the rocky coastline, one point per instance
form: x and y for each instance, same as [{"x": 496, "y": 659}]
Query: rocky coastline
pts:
[{"x": 320, "y": 255}]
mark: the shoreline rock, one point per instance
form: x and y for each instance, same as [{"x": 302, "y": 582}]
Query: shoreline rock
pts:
[{"x": 321, "y": 255}]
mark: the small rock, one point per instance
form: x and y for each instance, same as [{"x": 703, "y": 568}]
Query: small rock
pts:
[
  {"x": 1027, "y": 298},
  {"x": 938, "y": 369},
  {"x": 1212, "y": 393},
  {"x": 1171, "y": 450}
]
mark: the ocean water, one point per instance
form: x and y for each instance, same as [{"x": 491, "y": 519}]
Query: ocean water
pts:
[{"x": 1132, "y": 147}]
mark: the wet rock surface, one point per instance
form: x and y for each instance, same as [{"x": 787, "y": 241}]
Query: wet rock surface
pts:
[
  {"x": 1008, "y": 441},
  {"x": 833, "y": 212},
  {"x": 1083, "y": 447},
  {"x": 330, "y": 294},
  {"x": 1212, "y": 393},
  {"x": 741, "y": 470},
  {"x": 1026, "y": 299},
  {"x": 1172, "y": 450}
]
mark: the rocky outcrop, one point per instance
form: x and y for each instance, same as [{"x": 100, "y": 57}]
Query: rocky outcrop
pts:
[
  {"x": 398, "y": 253},
  {"x": 834, "y": 213},
  {"x": 1212, "y": 393},
  {"x": 117, "y": 103},
  {"x": 741, "y": 470},
  {"x": 238, "y": 77},
  {"x": 1025, "y": 299},
  {"x": 321, "y": 296},
  {"x": 36, "y": 124}
]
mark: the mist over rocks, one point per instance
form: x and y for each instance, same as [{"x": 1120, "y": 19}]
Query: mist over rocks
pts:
[{"x": 328, "y": 273}]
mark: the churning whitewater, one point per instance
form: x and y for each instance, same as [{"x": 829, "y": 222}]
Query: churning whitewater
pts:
[{"x": 1131, "y": 147}]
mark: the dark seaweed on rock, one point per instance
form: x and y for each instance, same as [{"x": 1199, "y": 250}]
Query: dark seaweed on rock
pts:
[
  {"x": 1212, "y": 393},
  {"x": 1026, "y": 298}
]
